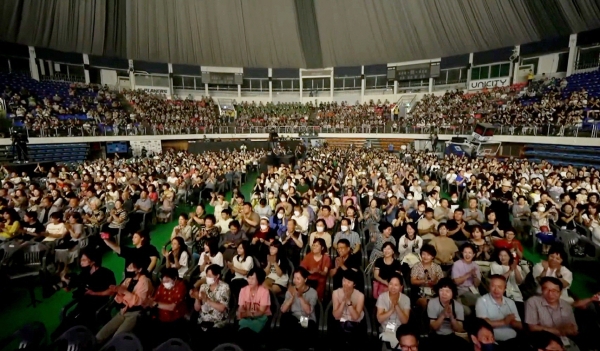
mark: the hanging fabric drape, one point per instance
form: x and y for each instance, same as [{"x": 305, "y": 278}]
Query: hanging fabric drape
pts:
[{"x": 289, "y": 33}]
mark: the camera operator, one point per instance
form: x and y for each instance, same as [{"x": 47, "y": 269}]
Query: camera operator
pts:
[{"x": 91, "y": 290}]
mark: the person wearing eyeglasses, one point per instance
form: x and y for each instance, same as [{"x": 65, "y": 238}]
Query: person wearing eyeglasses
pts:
[
  {"x": 551, "y": 313},
  {"x": 408, "y": 339}
]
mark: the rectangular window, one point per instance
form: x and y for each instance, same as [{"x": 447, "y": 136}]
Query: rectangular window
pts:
[
  {"x": 484, "y": 72},
  {"x": 453, "y": 76},
  {"x": 177, "y": 82},
  {"x": 475, "y": 73},
  {"x": 188, "y": 82},
  {"x": 495, "y": 71},
  {"x": 505, "y": 70}
]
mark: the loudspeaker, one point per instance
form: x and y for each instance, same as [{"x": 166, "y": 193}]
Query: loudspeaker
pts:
[{"x": 458, "y": 140}]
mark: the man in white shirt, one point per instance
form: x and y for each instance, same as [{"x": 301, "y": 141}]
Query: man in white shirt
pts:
[{"x": 499, "y": 311}]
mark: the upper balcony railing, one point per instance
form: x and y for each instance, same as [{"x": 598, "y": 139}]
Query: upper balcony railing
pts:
[{"x": 103, "y": 130}]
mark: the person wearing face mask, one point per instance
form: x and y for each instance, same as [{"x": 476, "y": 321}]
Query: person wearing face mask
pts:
[
  {"x": 481, "y": 335},
  {"x": 409, "y": 203},
  {"x": 301, "y": 219},
  {"x": 346, "y": 233},
  {"x": 320, "y": 232},
  {"x": 90, "y": 289},
  {"x": 130, "y": 297},
  {"x": 212, "y": 301},
  {"x": 367, "y": 197},
  {"x": 169, "y": 301},
  {"x": 285, "y": 205},
  {"x": 278, "y": 221}
]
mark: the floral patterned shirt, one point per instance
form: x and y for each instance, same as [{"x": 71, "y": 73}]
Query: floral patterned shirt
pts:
[{"x": 221, "y": 295}]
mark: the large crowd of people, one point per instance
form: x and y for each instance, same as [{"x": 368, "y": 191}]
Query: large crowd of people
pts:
[
  {"x": 354, "y": 242},
  {"x": 540, "y": 107}
]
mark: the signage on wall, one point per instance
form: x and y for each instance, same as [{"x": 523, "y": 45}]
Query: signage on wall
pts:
[
  {"x": 154, "y": 90},
  {"x": 489, "y": 83}
]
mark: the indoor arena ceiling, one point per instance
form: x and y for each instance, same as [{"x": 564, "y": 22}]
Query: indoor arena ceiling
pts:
[{"x": 289, "y": 33}]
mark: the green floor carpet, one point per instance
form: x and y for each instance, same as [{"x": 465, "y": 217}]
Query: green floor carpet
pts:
[{"x": 15, "y": 312}]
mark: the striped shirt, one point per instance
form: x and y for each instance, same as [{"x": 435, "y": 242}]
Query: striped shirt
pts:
[{"x": 539, "y": 312}]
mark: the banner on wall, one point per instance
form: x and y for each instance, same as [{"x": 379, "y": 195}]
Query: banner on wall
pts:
[
  {"x": 152, "y": 147},
  {"x": 489, "y": 83},
  {"x": 155, "y": 90}
]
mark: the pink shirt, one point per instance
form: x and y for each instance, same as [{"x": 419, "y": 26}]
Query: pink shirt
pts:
[{"x": 253, "y": 303}]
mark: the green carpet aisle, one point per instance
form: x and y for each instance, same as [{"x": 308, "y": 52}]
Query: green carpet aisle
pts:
[{"x": 14, "y": 310}]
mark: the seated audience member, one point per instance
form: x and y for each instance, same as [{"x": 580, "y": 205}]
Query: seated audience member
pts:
[
  {"x": 380, "y": 237},
  {"x": 482, "y": 244},
  {"x": 178, "y": 257},
  {"x": 345, "y": 233},
  {"x": 142, "y": 251},
  {"x": 276, "y": 269},
  {"x": 263, "y": 237},
  {"x": 10, "y": 225},
  {"x": 347, "y": 331},
  {"x": 424, "y": 275},
  {"x": 55, "y": 229},
  {"x": 320, "y": 233},
  {"x": 169, "y": 300},
  {"x": 458, "y": 229},
  {"x": 298, "y": 318},
  {"x": 384, "y": 268},
  {"x": 131, "y": 297},
  {"x": 499, "y": 311},
  {"x": 545, "y": 341},
  {"x": 481, "y": 334},
  {"x": 343, "y": 262},
  {"x": 549, "y": 312},
  {"x": 91, "y": 290},
  {"x": 473, "y": 215},
  {"x": 292, "y": 242},
  {"x": 408, "y": 338},
  {"x": 467, "y": 276},
  {"x": 409, "y": 242},
  {"x": 445, "y": 247},
  {"x": 393, "y": 309},
  {"x": 553, "y": 268},
  {"x": 278, "y": 221},
  {"x": 317, "y": 262},
  {"x": 446, "y": 316},
  {"x": 211, "y": 255},
  {"x": 428, "y": 225},
  {"x": 505, "y": 265},
  {"x": 511, "y": 244},
  {"x": 211, "y": 301},
  {"x": 116, "y": 219},
  {"x": 254, "y": 311},
  {"x": 231, "y": 240},
  {"x": 240, "y": 265},
  {"x": 31, "y": 228},
  {"x": 183, "y": 230}
]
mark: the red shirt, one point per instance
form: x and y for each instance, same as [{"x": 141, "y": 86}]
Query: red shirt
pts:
[
  {"x": 504, "y": 244},
  {"x": 174, "y": 295}
]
